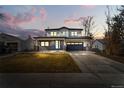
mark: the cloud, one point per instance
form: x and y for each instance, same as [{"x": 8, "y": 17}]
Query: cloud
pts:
[
  {"x": 21, "y": 33},
  {"x": 11, "y": 23},
  {"x": 20, "y": 18},
  {"x": 24, "y": 18},
  {"x": 73, "y": 20},
  {"x": 43, "y": 14}
]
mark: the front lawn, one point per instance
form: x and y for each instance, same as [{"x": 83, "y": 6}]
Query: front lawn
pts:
[{"x": 38, "y": 63}]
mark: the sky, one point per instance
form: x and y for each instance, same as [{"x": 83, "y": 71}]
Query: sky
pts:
[{"x": 38, "y": 17}]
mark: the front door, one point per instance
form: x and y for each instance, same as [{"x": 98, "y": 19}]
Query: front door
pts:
[{"x": 57, "y": 44}]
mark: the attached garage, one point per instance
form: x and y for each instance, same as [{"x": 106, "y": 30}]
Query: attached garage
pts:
[
  {"x": 12, "y": 46},
  {"x": 74, "y": 46}
]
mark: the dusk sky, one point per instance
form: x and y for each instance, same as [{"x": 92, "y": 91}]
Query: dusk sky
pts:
[{"x": 54, "y": 16}]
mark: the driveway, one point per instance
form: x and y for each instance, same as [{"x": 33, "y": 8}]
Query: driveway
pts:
[
  {"x": 110, "y": 72},
  {"x": 97, "y": 71}
]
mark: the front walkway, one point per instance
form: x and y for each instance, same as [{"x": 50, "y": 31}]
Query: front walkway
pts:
[{"x": 97, "y": 71}]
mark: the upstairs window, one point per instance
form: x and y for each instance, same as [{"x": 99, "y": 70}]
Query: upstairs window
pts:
[
  {"x": 53, "y": 33},
  {"x": 73, "y": 33},
  {"x": 64, "y": 33}
]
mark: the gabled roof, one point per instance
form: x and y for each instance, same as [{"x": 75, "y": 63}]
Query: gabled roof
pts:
[
  {"x": 12, "y": 36},
  {"x": 101, "y": 41},
  {"x": 49, "y": 29}
]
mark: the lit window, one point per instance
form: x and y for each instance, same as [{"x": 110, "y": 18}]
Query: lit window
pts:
[
  {"x": 75, "y": 33},
  {"x": 63, "y": 33},
  {"x": 55, "y": 34},
  {"x": 68, "y": 43},
  {"x": 42, "y": 43},
  {"x": 80, "y": 43},
  {"x": 72, "y": 33},
  {"x": 46, "y": 43},
  {"x": 51, "y": 33}
]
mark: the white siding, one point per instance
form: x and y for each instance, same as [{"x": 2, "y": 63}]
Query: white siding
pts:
[
  {"x": 65, "y": 33},
  {"x": 98, "y": 45}
]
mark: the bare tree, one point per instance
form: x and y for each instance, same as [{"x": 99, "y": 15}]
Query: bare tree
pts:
[
  {"x": 108, "y": 32},
  {"x": 88, "y": 25}
]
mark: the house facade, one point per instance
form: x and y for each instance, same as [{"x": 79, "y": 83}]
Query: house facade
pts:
[
  {"x": 10, "y": 43},
  {"x": 63, "y": 39},
  {"x": 99, "y": 44}
]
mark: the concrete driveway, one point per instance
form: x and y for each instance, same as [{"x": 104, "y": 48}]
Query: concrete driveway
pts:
[
  {"x": 97, "y": 71},
  {"x": 110, "y": 72}
]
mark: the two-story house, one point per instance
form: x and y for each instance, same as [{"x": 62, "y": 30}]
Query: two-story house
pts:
[{"x": 63, "y": 39}]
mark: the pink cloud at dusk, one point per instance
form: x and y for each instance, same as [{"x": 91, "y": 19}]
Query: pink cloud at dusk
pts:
[
  {"x": 11, "y": 23},
  {"x": 24, "y": 18},
  {"x": 18, "y": 19},
  {"x": 43, "y": 14},
  {"x": 73, "y": 20}
]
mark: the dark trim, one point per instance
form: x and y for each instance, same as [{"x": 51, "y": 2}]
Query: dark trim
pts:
[
  {"x": 83, "y": 37},
  {"x": 63, "y": 28},
  {"x": 48, "y": 37}
]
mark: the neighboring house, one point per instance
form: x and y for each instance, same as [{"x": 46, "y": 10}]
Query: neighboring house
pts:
[
  {"x": 99, "y": 44},
  {"x": 63, "y": 39},
  {"x": 29, "y": 44},
  {"x": 10, "y": 43}
]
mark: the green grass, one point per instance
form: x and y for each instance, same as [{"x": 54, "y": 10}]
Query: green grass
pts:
[{"x": 39, "y": 63}]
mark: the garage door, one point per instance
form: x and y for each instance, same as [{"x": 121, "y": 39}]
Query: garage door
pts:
[
  {"x": 74, "y": 46},
  {"x": 13, "y": 47}
]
